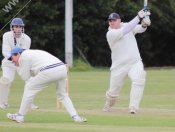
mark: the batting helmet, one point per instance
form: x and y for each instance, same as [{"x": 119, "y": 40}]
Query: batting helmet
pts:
[{"x": 17, "y": 22}]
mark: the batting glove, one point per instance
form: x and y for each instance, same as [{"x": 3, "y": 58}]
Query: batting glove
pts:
[
  {"x": 144, "y": 12},
  {"x": 147, "y": 11},
  {"x": 146, "y": 21}
]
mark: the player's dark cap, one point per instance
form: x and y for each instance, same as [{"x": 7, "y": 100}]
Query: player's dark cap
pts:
[
  {"x": 15, "y": 51},
  {"x": 113, "y": 16}
]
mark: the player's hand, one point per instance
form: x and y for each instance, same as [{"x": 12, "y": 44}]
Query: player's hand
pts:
[
  {"x": 146, "y": 21},
  {"x": 144, "y": 12},
  {"x": 147, "y": 11}
]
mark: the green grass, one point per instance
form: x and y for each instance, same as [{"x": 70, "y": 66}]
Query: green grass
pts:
[{"x": 87, "y": 91}]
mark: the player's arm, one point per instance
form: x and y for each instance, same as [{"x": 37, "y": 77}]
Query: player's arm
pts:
[
  {"x": 24, "y": 68},
  {"x": 139, "y": 29},
  {"x": 142, "y": 14},
  {"x": 131, "y": 25},
  {"x": 27, "y": 42},
  {"x": 143, "y": 26},
  {"x": 6, "y": 49}
]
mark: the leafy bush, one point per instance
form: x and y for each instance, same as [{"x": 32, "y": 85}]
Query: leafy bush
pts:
[{"x": 80, "y": 65}]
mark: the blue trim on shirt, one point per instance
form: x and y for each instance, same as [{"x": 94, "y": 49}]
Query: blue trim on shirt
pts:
[{"x": 52, "y": 66}]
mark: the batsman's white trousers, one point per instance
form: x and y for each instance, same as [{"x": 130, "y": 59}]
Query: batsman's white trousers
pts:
[
  {"x": 42, "y": 80},
  {"x": 119, "y": 74}
]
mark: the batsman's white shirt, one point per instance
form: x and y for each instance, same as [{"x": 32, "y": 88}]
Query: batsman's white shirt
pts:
[{"x": 124, "y": 48}]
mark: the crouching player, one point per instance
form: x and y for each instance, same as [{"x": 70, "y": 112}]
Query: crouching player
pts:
[{"x": 45, "y": 69}]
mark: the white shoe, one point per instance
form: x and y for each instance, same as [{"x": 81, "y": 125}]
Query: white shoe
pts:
[
  {"x": 16, "y": 117},
  {"x": 79, "y": 119},
  {"x": 133, "y": 110},
  {"x": 106, "y": 107},
  {"x": 32, "y": 106},
  {"x": 4, "y": 105}
]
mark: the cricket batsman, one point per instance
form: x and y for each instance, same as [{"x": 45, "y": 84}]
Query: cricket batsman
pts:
[
  {"x": 11, "y": 39},
  {"x": 126, "y": 59}
]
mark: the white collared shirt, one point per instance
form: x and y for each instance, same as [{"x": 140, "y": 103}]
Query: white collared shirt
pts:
[{"x": 124, "y": 49}]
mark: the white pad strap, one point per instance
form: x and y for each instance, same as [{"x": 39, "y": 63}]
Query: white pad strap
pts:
[
  {"x": 111, "y": 98},
  {"x": 4, "y": 90}
]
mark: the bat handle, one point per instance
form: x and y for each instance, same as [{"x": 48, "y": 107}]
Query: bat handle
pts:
[
  {"x": 145, "y": 8},
  {"x": 145, "y": 4}
]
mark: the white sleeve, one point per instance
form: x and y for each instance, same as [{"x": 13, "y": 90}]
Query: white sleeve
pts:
[
  {"x": 139, "y": 29},
  {"x": 6, "y": 49},
  {"x": 24, "y": 68},
  {"x": 131, "y": 25},
  {"x": 27, "y": 42},
  {"x": 6, "y": 53}
]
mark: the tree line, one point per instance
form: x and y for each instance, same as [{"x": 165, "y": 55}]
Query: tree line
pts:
[{"x": 45, "y": 24}]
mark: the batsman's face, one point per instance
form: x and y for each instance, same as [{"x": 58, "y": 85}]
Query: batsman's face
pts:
[
  {"x": 17, "y": 30},
  {"x": 115, "y": 24},
  {"x": 15, "y": 59}
]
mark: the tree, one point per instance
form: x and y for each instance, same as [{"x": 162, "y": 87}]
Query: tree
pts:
[{"x": 45, "y": 24}]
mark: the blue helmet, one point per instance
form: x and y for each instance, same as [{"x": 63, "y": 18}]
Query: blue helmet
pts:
[{"x": 17, "y": 22}]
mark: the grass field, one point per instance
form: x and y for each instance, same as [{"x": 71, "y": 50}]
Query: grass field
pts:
[{"x": 87, "y": 91}]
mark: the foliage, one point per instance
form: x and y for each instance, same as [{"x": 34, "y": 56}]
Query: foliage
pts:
[
  {"x": 90, "y": 27},
  {"x": 80, "y": 65},
  {"x": 45, "y": 24},
  {"x": 160, "y": 35}
]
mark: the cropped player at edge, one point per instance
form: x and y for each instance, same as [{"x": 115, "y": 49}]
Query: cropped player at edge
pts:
[
  {"x": 11, "y": 39},
  {"x": 126, "y": 60}
]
